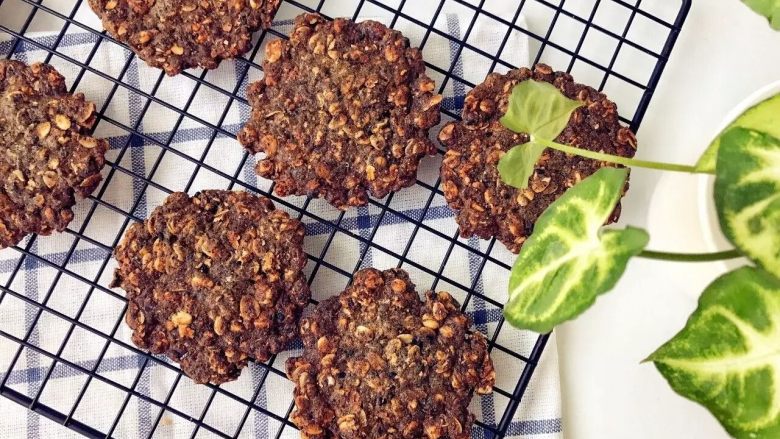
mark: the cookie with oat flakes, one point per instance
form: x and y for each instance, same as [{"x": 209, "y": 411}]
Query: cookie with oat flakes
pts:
[
  {"x": 212, "y": 280},
  {"x": 378, "y": 363},
  {"x": 47, "y": 156},
  {"x": 344, "y": 110},
  {"x": 175, "y": 35},
  {"x": 485, "y": 206}
]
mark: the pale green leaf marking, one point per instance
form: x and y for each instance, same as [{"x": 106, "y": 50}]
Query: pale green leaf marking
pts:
[
  {"x": 762, "y": 117},
  {"x": 540, "y": 110},
  {"x": 747, "y": 194},
  {"x": 727, "y": 357},
  {"x": 768, "y": 8},
  {"x": 569, "y": 260}
]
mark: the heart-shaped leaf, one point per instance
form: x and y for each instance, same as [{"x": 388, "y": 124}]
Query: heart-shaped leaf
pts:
[
  {"x": 569, "y": 260},
  {"x": 727, "y": 357},
  {"x": 747, "y": 194},
  {"x": 540, "y": 110},
  {"x": 768, "y": 8},
  {"x": 762, "y": 117}
]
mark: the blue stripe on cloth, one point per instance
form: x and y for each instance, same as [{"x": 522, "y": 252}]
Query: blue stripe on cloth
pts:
[
  {"x": 363, "y": 224},
  {"x": 68, "y": 40},
  {"x": 138, "y": 165},
  {"x": 94, "y": 254},
  {"x": 131, "y": 362},
  {"x": 78, "y": 38},
  {"x": 487, "y": 404}
]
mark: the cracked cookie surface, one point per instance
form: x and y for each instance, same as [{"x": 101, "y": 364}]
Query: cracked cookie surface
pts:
[
  {"x": 380, "y": 363},
  {"x": 47, "y": 156},
  {"x": 213, "y": 280},
  {"x": 344, "y": 110},
  {"x": 485, "y": 206},
  {"x": 175, "y": 35}
]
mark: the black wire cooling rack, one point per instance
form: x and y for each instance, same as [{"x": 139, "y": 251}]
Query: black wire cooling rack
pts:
[{"x": 620, "y": 46}]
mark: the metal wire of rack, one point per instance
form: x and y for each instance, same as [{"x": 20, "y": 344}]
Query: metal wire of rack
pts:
[{"x": 620, "y": 46}]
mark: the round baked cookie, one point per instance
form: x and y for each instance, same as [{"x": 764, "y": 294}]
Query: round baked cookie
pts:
[
  {"x": 485, "y": 206},
  {"x": 47, "y": 156},
  {"x": 175, "y": 35},
  {"x": 379, "y": 363},
  {"x": 344, "y": 110},
  {"x": 212, "y": 280}
]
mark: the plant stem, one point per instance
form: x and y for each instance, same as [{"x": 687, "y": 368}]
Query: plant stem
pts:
[
  {"x": 620, "y": 160},
  {"x": 691, "y": 257}
]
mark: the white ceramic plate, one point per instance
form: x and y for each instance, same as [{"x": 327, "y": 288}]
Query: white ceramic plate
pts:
[{"x": 713, "y": 237}]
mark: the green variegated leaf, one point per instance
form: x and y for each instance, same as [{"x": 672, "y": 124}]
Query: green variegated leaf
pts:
[
  {"x": 727, "y": 357},
  {"x": 768, "y": 8},
  {"x": 747, "y": 194},
  {"x": 762, "y": 117},
  {"x": 540, "y": 110},
  {"x": 569, "y": 260}
]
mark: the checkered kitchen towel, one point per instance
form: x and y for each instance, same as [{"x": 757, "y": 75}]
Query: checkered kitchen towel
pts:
[{"x": 137, "y": 396}]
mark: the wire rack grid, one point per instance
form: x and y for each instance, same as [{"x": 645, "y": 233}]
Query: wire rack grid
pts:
[{"x": 620, "y": 46}]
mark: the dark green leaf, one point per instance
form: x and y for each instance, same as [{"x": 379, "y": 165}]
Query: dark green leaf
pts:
[
  {"x": 569, "y": 260},
  {"x": 540, "y": 110},
  {"x": 768, "y": 8},
  {"x": 747, "y": 194},
  {"x": 762, "y": 117},
  {"x": 727, "y": 357}
]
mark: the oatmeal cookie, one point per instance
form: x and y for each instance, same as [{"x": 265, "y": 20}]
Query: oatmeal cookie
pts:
[
  {"x": 379, "y": 363},
  {"x": 344, "y": 110},
  {"x": 485, "y": 206},
  {"x": 212, "y": 280},
  {"x": 175, "y": 35},
  {"x": 47, "y": 156}
]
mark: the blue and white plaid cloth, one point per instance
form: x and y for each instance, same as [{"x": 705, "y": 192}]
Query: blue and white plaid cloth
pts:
[{"x": 89, "y": 346}]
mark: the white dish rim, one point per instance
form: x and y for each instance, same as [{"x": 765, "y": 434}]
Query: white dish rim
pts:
[{"x": 713, "y": 237}]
